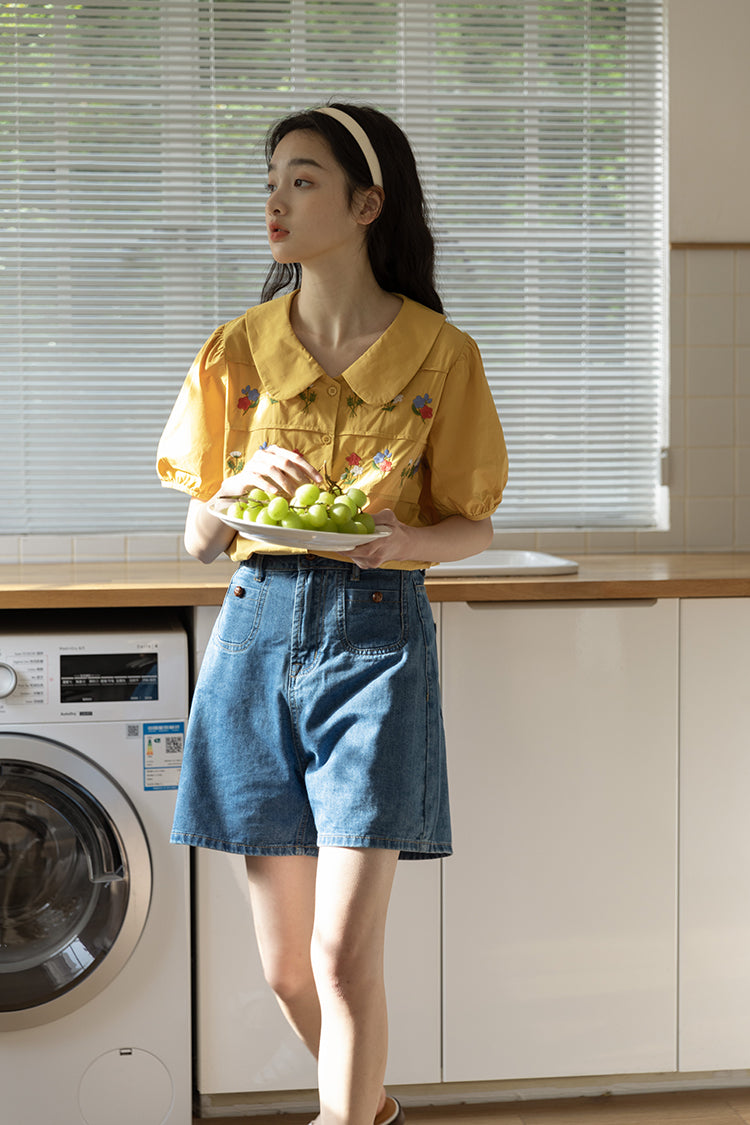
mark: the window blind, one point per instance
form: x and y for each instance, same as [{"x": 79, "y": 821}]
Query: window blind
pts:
[{"x": 132, "y": 179}]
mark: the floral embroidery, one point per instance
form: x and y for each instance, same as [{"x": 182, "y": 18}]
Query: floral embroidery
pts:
[
  {"x": 308, "y": 397},
  {"x": 353, "y": 402},
  {"x": 382, "y": 461},
  {"x": 389, "y": 406},
  {"x": 235, "y": 461},
  {"x": 411, "y": 469},
  {"x": 354, "y": 468},
  {"x": 421, "y": 408},
  {"x": 248, "y": 399}
]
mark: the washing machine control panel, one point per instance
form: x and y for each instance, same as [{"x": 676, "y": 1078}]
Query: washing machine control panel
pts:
[
  {"x": 8, "y": 680},
  {"x": 91, "y": 676}
]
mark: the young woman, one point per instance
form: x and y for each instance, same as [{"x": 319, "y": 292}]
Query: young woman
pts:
[{"x": 315, "y": 745}]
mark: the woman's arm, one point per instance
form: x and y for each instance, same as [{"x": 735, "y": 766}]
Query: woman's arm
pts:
[
  {"x": 205, "y": 535},
  {"x": 453, "y": 538},
  {"x": 273, "y": 469}
]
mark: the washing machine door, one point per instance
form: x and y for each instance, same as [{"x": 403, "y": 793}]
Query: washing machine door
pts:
[{"x": 75, "y": 880}]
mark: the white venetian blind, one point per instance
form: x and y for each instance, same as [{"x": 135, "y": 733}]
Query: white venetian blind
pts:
[{"x": 131, "y": 172}]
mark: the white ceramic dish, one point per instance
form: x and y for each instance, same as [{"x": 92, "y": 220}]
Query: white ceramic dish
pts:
[{"x": 293, "y": 537}]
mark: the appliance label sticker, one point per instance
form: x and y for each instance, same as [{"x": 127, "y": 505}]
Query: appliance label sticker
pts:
[{"x": 162, "y": 754}]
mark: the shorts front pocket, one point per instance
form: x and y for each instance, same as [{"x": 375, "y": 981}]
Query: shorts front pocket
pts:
[
  {"x": 240, "y": 615},
  {"x": 373, "y": 614}
]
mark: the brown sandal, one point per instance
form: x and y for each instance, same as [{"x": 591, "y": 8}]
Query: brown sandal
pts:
[{"x": 391, "y": 1113}]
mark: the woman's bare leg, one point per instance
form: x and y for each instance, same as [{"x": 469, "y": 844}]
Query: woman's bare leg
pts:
[
  {"x": 282, "y": 896},
  {"x": 353, "y": 889},
  {"x": 337, "y": 905}
]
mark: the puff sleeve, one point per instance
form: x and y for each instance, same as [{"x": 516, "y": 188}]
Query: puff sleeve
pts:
[
  {"x": 466, "y": 455},
  {"x": 190, "y": 455}
]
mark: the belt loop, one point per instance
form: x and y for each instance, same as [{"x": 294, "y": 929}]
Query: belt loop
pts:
[
  {"x": 259, "y": 561},
  {"x": 355, "y": 572}
]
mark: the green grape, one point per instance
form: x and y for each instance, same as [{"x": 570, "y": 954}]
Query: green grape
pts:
[
  {"x": 310, "y": 508},
  {"x": 340, "y": 514},
  {"x": 278, "y": 507},
  {"x": 317, "y": 515},
  {"x": 307, "y": 494},
  {"x": 358, "y": 496}
]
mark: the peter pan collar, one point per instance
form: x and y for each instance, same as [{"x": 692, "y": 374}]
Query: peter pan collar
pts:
[{"x": 286, "y": 368}]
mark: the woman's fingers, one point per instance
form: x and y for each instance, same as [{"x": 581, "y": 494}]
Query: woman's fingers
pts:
[
  {"x": 273, "y": 469},
  {"x": 393, "y": 546}
]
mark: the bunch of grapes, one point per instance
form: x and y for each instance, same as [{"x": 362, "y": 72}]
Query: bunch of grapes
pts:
[{"x": 309, "y": 509}]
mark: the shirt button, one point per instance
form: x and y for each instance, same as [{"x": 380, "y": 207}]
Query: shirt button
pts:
[
  {"x": 333, "y": 391},
  {"x": 326, "y": 439}
]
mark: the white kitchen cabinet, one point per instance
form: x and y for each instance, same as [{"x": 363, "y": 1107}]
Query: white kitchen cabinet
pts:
[
  {"x": 243, "y": 1042},
  {"x": 560, "y": 900},
  {"x": 715, "y": 834}
]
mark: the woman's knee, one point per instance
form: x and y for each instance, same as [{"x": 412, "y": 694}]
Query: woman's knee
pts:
[
  {"x": 290, "y": 976},
  {"x": 344, "y": 967}
]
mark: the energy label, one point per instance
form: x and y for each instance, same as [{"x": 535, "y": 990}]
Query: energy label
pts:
[{"x": 163, "y": 744}]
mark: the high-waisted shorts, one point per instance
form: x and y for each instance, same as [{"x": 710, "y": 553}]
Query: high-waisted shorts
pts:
[{"x": 316, "y": 719}]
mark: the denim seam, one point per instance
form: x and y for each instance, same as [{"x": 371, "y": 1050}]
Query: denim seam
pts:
[{"x": 428, "y": 763}]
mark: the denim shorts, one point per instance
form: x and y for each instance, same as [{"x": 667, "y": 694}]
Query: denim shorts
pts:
[{"x": 316, "y": 719}]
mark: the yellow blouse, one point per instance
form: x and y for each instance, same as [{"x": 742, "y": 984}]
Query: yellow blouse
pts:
[{"x": 412, "y": 422}]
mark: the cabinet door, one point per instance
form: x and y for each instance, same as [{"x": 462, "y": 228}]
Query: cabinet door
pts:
[
  {"x": 244, "y": 1043},
  {"x": 715, "y": 834},
  {"x": 560, "y": 900}
]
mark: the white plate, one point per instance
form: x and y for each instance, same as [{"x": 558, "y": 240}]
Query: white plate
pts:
[{"x": 294, "y": 537}]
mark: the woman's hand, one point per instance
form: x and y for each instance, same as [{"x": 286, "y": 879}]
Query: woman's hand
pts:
[
  {"x": 397, "y": 545},
  {"x": 273, "y": 469},
  {"x": 453, "y": 538}
]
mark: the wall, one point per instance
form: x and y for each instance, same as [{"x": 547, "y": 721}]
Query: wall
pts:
[
  {"x": 710, "y": 327},
  {"x": 709, "y": 107}
]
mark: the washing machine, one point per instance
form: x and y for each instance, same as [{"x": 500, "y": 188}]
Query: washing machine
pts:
[{"x": 94, "y": 900}]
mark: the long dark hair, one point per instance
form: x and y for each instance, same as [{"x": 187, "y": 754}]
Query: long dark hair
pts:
[{"x": 399, "y": 242}]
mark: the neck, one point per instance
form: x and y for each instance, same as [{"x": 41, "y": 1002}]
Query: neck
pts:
[{"x": 337, "y": 306}]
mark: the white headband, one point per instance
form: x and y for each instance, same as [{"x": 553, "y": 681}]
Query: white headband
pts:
[{"x": 360, "y": 137}]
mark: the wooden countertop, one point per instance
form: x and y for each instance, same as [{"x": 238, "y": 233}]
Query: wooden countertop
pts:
[{"x": 186, "y": 583}]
